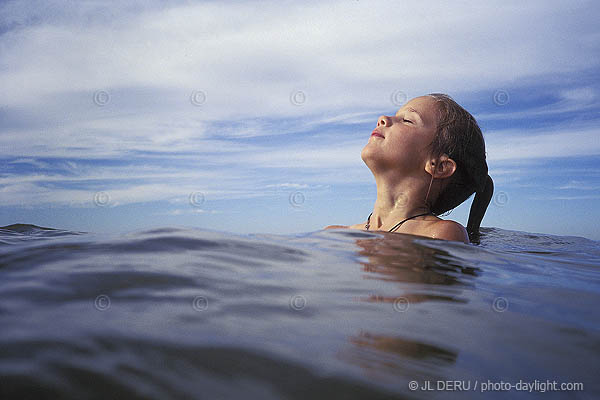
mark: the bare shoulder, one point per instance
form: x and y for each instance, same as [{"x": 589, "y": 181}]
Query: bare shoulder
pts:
[
  {"x": 448, "y": 230},
  {"x": 335, "y": 227},
  {"x": 355, "y": 226}
]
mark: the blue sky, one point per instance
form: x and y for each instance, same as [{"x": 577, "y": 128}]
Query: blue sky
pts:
[{"x": 250, "y": 117}]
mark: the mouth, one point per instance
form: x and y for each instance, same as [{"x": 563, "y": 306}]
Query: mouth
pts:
[{"x": 376, "y": 133}]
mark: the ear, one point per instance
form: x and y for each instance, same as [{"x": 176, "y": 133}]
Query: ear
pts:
[{"x": 441, "y": 168}]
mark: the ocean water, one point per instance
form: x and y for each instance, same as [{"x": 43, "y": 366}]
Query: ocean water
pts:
[{"x": 174, "y": 313}]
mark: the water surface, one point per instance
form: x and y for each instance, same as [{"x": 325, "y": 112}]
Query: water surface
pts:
[{"x": 189, "y": 313}]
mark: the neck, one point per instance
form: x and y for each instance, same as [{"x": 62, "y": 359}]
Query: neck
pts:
[{"x": 398, "y": 200}]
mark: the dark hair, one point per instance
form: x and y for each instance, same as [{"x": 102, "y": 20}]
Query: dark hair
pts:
[{"x": 458, "y": 135}]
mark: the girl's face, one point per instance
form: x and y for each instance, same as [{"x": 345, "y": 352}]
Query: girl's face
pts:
[{"x": 400, "y": 142}]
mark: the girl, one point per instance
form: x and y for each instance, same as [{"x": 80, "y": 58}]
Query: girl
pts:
[{"x": 427, "y": 159}]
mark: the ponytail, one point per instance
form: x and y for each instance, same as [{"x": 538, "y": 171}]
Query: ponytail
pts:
[{"x": 478, "y": 208}]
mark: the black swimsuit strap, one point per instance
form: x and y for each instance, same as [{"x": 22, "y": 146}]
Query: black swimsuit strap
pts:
[{"x": 399, "y": 223}]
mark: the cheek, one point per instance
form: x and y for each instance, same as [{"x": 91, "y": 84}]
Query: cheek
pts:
[
  {"x": 403, "y": 146},
  {"x": 407, "y": 150}
]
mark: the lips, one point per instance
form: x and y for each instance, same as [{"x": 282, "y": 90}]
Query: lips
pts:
[{"x": 376, "y": 133}]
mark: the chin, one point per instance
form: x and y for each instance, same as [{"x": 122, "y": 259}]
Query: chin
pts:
[
  {"x": 368, "y": 153},
  {"x": 370, "y": 157}
]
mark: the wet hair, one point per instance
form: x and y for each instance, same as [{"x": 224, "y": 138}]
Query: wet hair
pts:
[{"x": 458, "y": 135}]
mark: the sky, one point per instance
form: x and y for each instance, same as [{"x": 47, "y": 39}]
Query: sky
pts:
[{"x": 250, "y": 117}]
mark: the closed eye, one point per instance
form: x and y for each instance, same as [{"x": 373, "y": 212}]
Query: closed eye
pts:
[{"x": 409, "y": 121}]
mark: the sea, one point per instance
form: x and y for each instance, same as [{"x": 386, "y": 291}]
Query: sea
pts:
[{"x": 185, "y": 313}]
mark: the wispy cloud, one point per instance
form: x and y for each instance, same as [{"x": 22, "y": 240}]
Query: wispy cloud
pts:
[
  {"x": 575, "y": 100},
  {"x": 150, "y": 101},
  {"x": 187, "y": 211},
  {"x": 544, "y": 198},
  {"x": 251, "y": 65},
  {"x": 530, "y": 144},
  {"x": 578, "y": 185}
]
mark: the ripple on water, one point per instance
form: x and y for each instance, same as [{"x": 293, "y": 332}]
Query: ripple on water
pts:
[{"x": 172, "y": 312}]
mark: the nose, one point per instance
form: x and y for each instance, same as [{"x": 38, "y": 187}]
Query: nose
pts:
[{"x": 383, "y": 121}]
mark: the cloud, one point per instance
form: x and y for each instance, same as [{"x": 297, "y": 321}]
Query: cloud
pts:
[
  {"x": 97, "y": 97},
  {"x": 31, "y": 161},
  {"x": 568, "y": 101},
  {"x": 249, "y": 59},
  {"x": 578, "y": 185},
  {"x": 580, "y": 95},
  {"x": 587, "y": 197},
  {"x": 515, "y": 144},
  {"x": 180, "y": 211}
]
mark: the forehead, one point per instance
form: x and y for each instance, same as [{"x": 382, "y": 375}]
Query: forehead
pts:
[{"x": 425, "y": 106}]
